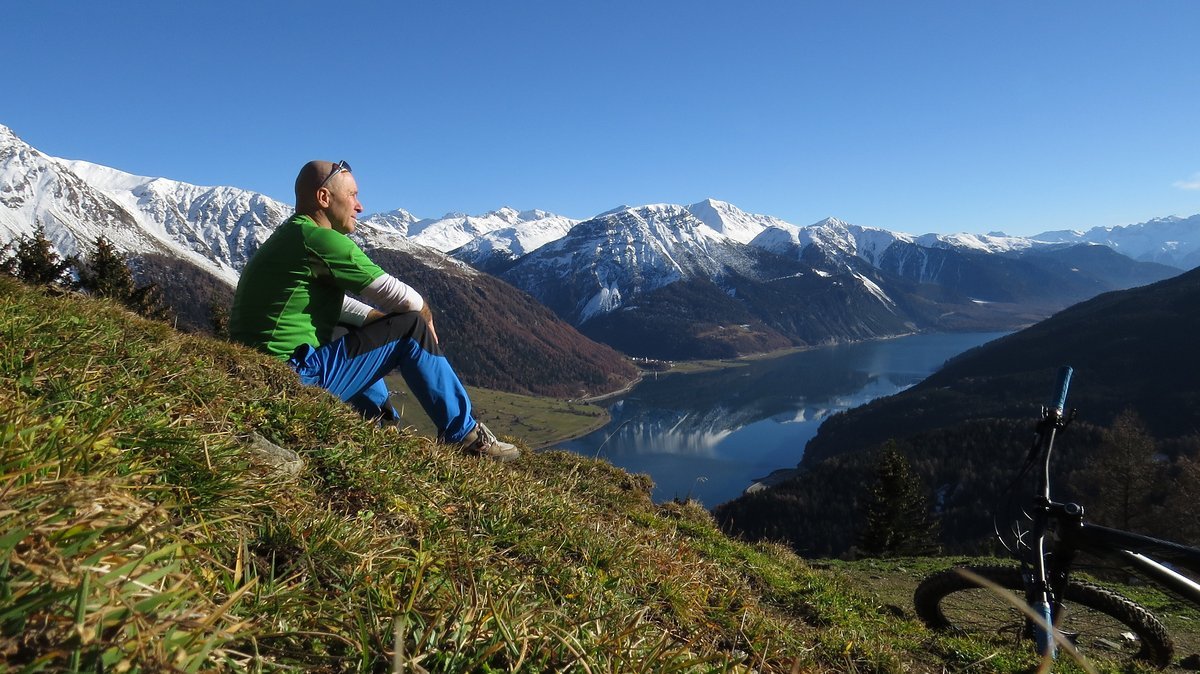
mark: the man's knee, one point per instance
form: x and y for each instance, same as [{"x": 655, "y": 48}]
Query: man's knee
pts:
[{"x": 390, "y": 329}]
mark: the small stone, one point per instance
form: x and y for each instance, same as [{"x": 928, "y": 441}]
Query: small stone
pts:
[{"x": 282, "y": 459}]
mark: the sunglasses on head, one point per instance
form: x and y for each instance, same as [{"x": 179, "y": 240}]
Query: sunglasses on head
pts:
[{"x": 337, "y": 168}]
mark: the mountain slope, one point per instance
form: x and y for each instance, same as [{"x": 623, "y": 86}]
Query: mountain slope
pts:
[
  {"x": 149, "y": 516},
  {"x": 498, "y": 337},
  {"x": 1129, "y": 348},
  {"x": 966, "y": 427}
]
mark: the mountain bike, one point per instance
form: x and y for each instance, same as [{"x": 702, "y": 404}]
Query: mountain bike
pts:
[{"x": 1051, "y": 541}]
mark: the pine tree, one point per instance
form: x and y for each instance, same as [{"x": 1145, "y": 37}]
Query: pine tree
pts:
[
  {"x": 36, "y": 262},
  {"x": 1121, "y": 479},
  {"x": 149, "y": 301},
  {"x": 899, "y": 520},
  {"x": 8, "y": 259},
  {"x": 219, "y": 317},
  {"x": 1179, "y": 513},
  {"x": 106, "y": 274}
]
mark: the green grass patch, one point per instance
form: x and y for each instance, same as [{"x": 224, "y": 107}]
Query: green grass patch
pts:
[{"x": 538, "y": 421}]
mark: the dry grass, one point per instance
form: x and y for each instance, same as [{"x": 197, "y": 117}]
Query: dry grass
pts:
[{"x": 138, "y": 531}]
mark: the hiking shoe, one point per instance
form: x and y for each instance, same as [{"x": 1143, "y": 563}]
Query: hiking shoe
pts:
[{"x": 482, "y": 442}]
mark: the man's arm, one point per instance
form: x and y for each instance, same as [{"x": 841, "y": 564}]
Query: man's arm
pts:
[{"x": 392, "y": 296}]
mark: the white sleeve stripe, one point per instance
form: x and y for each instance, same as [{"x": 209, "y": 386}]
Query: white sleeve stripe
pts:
[{"x": 390, "y": 295}]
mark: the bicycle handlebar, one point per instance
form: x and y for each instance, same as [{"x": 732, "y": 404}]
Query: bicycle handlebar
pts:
[{"x": 1060, "y": 395}]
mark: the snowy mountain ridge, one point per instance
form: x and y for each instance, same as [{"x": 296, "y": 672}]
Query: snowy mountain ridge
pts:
[
  {"x": 1171, "y": 240},
  {"x": 622, "y": 254},
  {"x": 737, "y": 279}
]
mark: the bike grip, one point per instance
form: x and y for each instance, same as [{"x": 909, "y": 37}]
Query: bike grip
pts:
[{"x": 1060, "y": 389}]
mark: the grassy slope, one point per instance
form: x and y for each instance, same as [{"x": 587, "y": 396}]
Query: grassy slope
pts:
[
  {"x": 136, "y": 527},
  {"x": 537, "y": 421}
]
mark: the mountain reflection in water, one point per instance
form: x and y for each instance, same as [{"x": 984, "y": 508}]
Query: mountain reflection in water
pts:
[{"x": 710, "y": 435}]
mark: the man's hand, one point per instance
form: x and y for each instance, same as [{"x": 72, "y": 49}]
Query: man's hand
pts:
[
  {"x": 428, "y": 316},
  {"x": 425, "y": 313}
]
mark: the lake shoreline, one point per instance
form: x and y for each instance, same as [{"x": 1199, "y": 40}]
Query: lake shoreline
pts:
[{"x": 743, "y": 424}]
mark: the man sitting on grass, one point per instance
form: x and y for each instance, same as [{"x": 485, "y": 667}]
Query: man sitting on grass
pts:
[{"x": 292, "y": 294}]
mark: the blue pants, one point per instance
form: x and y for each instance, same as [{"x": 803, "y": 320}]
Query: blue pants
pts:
[{"x": 352, "y": 368}]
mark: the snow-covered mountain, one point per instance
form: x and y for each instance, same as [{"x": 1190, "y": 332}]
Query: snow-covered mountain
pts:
[
  {"x": 216, "y": 228},
  {"x": 517, "y": 232},
  {"x": 395, "y": 222},
  {"x": 76, "y": 202},
  {"x": 223, "y": 225},
  {"x": 835, "y": 238},
  {"x": 732, "y": 221},
  {"x": 704, "y": 273},
  {"x": 494, "y": 251},
  {"x": 624, "y": 254},
  {"x": 1173, "y": 240},
  {"x": 657, "y": 281}
]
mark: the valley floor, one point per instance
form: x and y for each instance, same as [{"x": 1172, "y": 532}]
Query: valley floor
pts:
[{"x": 537, "y": 421}]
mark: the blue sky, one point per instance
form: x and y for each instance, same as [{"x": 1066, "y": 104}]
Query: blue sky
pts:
[{"x": 918, "y": 117}]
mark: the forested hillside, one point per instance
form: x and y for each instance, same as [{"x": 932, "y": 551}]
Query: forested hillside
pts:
[
  {"x": 965, "y": 428},
  {"x": 498, "y": 337}
]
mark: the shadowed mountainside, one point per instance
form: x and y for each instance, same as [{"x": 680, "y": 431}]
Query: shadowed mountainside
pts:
[{"x": 966, "y": 427}]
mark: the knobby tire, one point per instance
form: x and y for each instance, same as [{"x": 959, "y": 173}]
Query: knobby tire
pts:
[{"x": 949, "y": 601}]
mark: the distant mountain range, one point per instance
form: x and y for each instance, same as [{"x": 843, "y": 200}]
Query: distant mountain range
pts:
[{"x": 664, "y": 281}]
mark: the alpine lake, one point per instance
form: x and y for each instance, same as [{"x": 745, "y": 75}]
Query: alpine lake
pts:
[{"x": 710, "y": 435}]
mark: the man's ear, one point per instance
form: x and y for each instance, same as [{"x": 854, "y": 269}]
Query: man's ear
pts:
[{"x": 324, "y": 197}]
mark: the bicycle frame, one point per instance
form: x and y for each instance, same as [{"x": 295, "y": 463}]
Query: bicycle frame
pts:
[
  {"x": 1132, "y": 551},
  {"x": 1051, "y": 564}
]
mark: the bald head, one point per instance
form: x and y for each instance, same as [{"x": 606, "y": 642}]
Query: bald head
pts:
[
  {"x": 328, "y": 193},
  {"x": 308, "y": 181}
]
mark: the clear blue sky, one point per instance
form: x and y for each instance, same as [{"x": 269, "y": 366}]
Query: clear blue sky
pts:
[{"x": 961, "y": 115}]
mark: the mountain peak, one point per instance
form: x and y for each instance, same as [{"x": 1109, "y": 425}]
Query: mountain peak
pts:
[
  {"x": 831, "y": 222},
  {"x": 733, "y": 222}
]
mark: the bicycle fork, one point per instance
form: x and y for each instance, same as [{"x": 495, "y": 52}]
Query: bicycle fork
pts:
[
  {"x": 1050, "y": 574},
  {"x": 1040, "y": 595}
]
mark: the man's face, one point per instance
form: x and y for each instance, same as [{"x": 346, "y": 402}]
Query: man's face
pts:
[{"x": 344, "y": 205}]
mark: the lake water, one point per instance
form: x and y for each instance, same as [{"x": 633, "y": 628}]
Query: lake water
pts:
[{"x": 710, "y": 435}]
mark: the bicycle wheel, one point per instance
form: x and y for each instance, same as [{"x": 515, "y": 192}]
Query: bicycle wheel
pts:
[{"x": 1100, "y": 622}]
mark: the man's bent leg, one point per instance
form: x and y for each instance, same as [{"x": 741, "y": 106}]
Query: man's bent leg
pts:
[
  {"x": 374, "y": 403},
  {"x": 347, "y": 366}
]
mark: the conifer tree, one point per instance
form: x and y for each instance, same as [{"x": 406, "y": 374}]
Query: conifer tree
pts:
[
  {"x": 149, "y": 301},
  {"x": 105, "y": 273},
  {"x": 899, "y": 520},
  {"x": 219, "y": 317},
  {"x": 35, "y": 261},
  {"x": 8, "y": 259},
  {"x": 1121, "y": 480},
  {"x": 1179, "y": 512}
]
